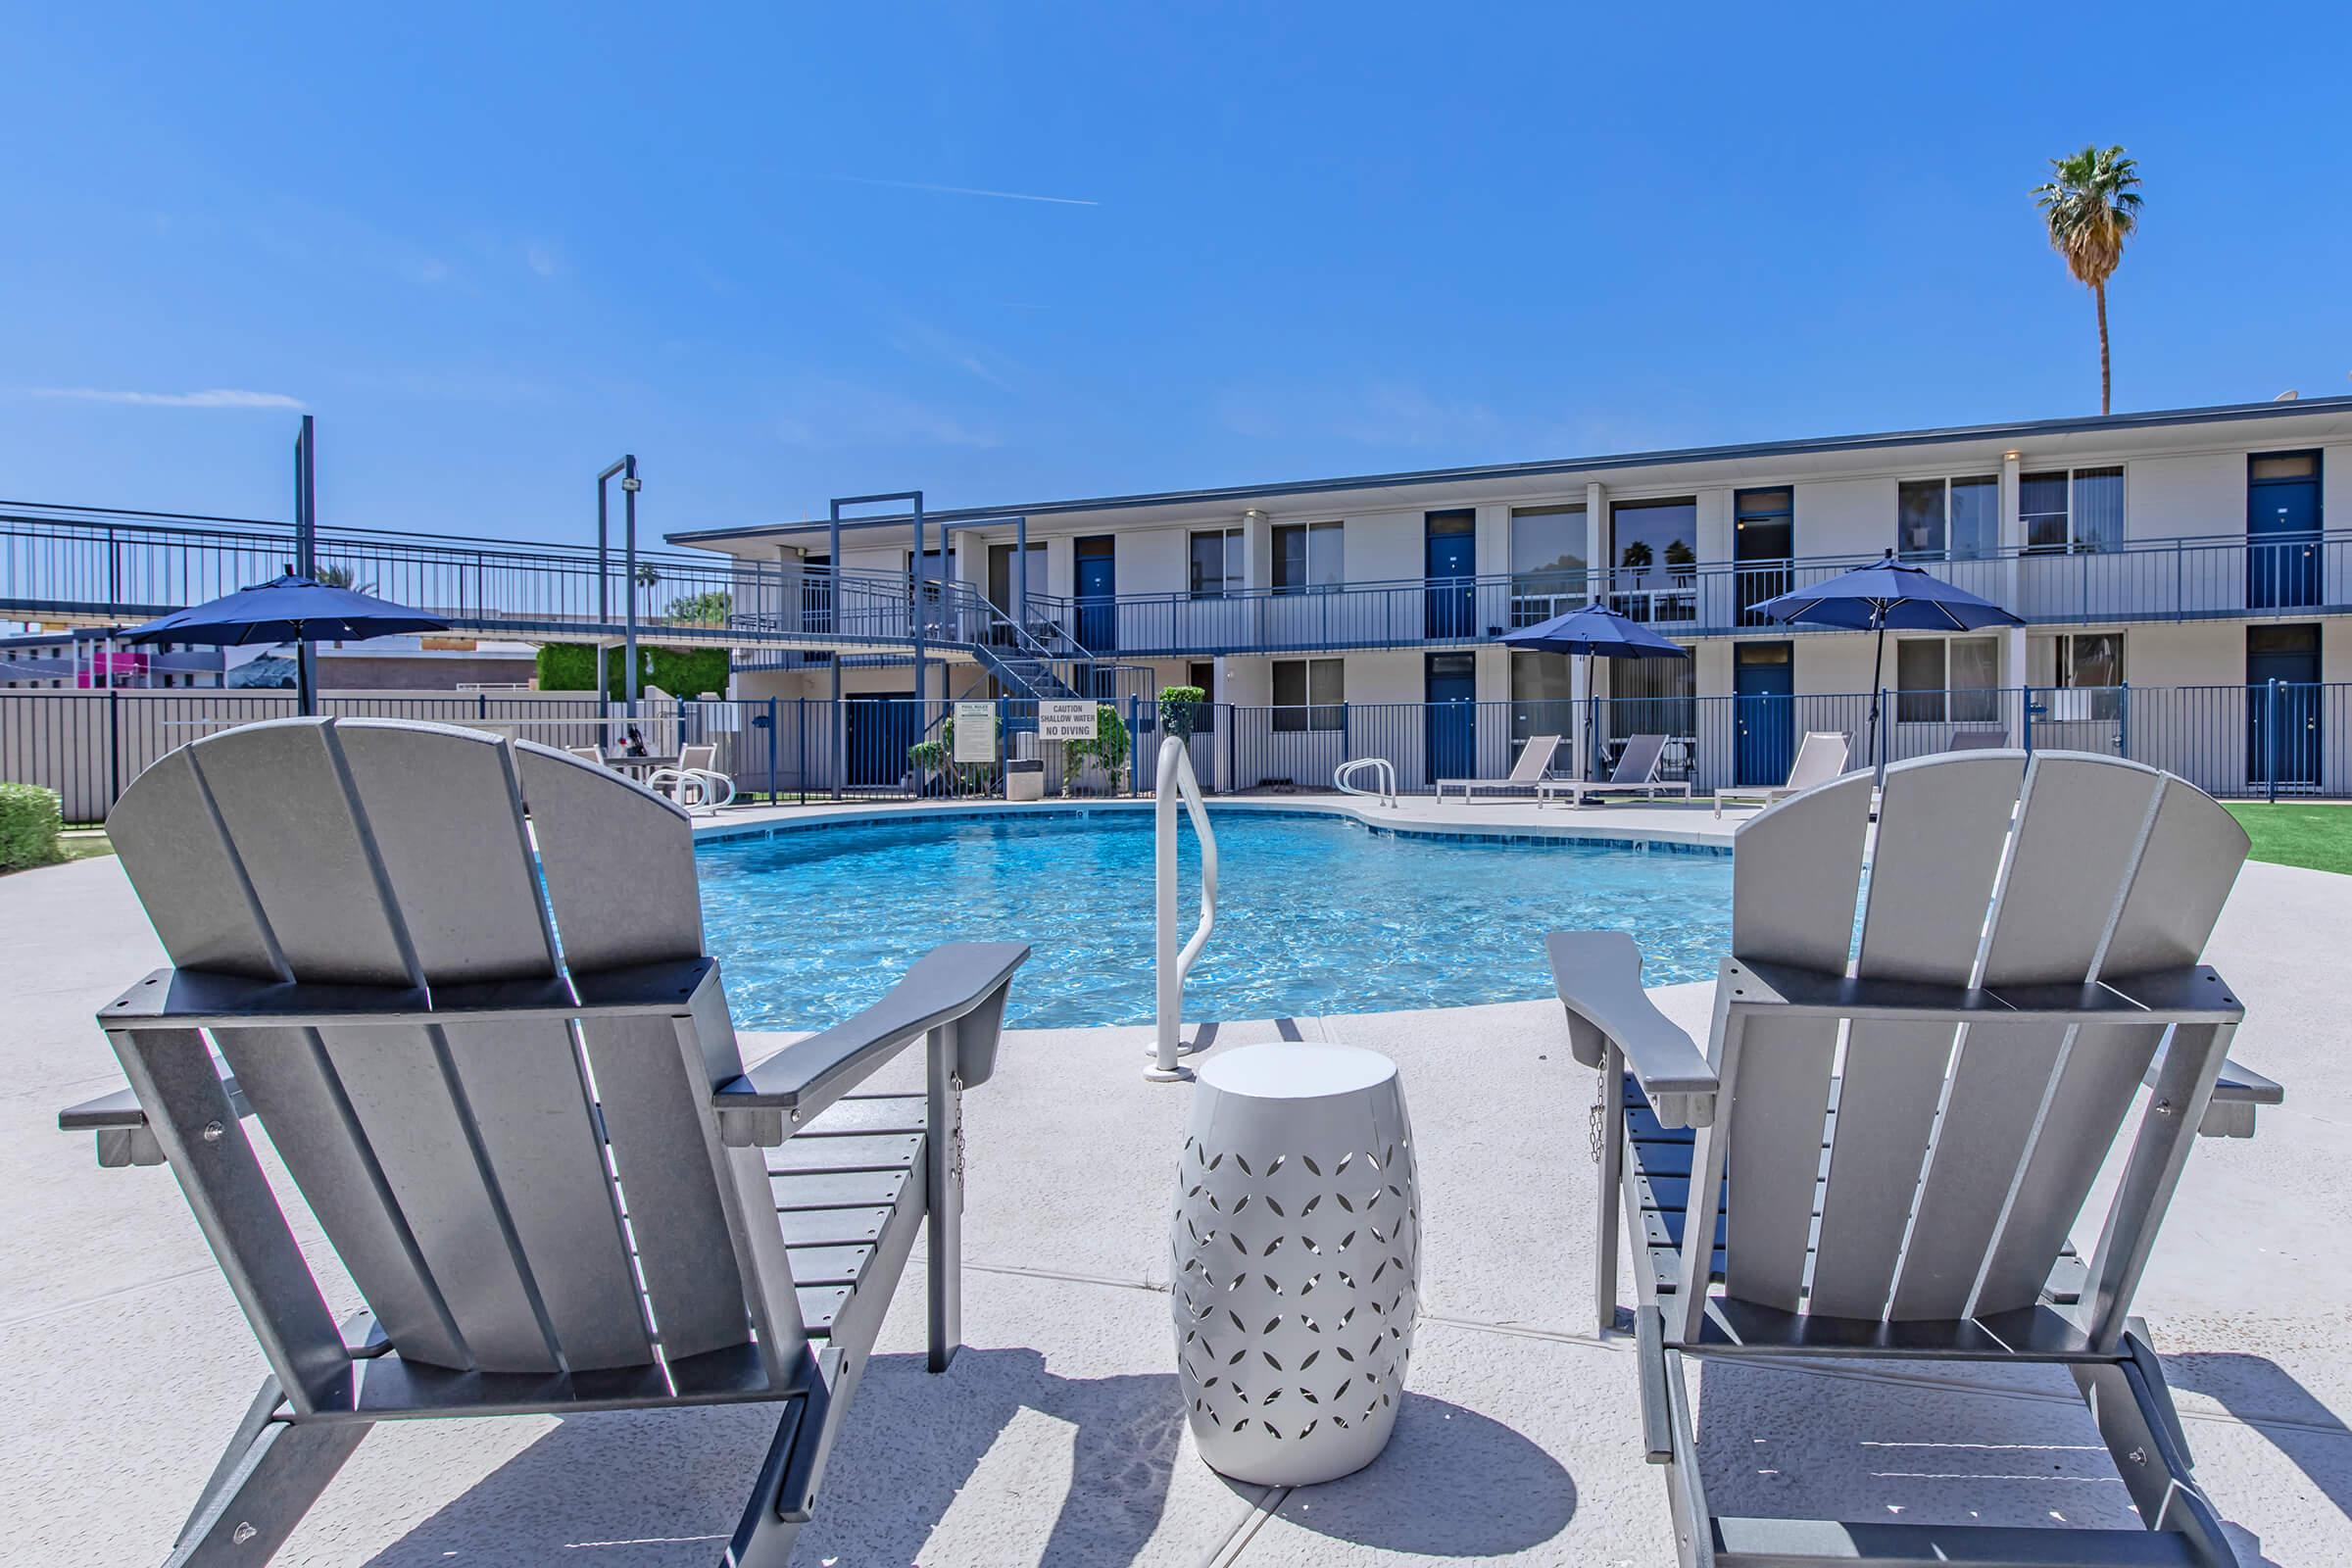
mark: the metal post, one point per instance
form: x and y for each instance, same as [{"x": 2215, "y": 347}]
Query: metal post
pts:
[
  {"x": 2025, "y": 715},
  {"x": 627, "y": 466},
  {"x": 2123, "y": 719},
  {"x": 776, "y": 791},
  {"x": 922, "y": 673},
  {"x": 630, "y": 484},
  {"x": 2269, "y": 741},
  {"x": 1020, "y": 572},
  {"x": 305, "y": 553},
  {"x": 1135, "y": 741}
]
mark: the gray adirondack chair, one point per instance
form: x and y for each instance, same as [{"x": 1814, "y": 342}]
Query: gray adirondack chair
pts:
[
  {"x": 526, "y": 1157},
  {"x": 2015, "y": 982}
]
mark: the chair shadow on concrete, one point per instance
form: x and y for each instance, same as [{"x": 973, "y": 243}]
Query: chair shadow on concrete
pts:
[
  {"x": 1451, "y": 1482},
  {"x": 665, "y": 1487},
  {"x": 2264, "y": 1395}
]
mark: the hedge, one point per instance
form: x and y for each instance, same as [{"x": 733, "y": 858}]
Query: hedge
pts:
[
  {"x": 29, "y": 826},
  {"x": 679, "y": 671}
]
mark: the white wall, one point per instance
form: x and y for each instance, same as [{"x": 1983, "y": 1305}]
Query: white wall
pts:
[
  {"x": 2185, "y": 497},
  {"x": 1384, "y": 547},
  {"x": 1845, "y": 517}
]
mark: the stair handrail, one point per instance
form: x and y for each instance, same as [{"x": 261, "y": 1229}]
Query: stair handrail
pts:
[
  {"x": 1383, "y": 769},
  {"x": 1177, "y": 779}
]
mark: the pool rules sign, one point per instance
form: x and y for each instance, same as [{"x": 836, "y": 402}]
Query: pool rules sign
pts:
[
  {"x": 1059, "y": 719},
  {"x": 975, "y": 732}
]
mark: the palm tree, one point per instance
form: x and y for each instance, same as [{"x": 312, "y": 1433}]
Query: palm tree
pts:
[{"x": 2092, "y": 208}]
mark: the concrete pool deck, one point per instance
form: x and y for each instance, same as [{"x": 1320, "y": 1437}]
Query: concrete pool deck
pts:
[
  {"x": 1056, "y": 1437},
  {"x": 1693, "y": 823}
]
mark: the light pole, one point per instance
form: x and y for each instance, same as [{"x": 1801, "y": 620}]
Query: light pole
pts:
[
  {"x": 306, "y": 557},
  {"x": 630, "y": 484}
]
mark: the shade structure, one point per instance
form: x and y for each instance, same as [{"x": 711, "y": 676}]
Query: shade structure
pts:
[
  {"x": 1593, "y": 631},
  {"x": 286, "y": 609},
  {"x": 1885, "y": 593}
]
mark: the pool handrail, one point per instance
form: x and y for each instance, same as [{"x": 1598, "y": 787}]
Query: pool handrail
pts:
[
  {"x": 1177, "y": 778},
  {"x": 1383, "y": 769}
]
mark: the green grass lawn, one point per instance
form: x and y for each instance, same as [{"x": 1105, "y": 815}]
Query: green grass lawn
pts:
[{"x": 2301, "y": 834}]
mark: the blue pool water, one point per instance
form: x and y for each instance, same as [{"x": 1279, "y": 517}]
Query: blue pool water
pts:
[{"x": 1314, "y": 914}]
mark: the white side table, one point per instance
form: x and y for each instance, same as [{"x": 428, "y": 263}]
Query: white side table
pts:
[{"x": 1297, "y": 1261}]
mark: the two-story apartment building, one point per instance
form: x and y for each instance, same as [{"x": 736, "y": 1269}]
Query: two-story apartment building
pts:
[{"x": 2181, "y": 549}]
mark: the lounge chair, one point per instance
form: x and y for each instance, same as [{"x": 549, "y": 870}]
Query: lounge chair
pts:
[
  {"x": 1534, "y": 757},
  {"x": 1978, "y": 738},
  {"x": 354, "y": 911},
  {"x": 1916, "y": 1203},
  {"x": 696, "y": 781},
  {"x": 588, "y": 754},
  {"x": 1820, "y": 758},
  {"x": 1636, "y": 773}
]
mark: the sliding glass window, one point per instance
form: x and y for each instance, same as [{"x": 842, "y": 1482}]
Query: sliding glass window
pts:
[
  {"x": 1216, "y": 563},
  {"x": 1547, "y": 561},
  {"x": 1307, "y": 694},
  {"x": 1948, "y": 519},
  {"x": 2080, "y": 509},
  {"x": 1309, "y": 555},
  {"x": 1655, "y": 548}
]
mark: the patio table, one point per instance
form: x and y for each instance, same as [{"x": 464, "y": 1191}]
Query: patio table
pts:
[{"x": 1296, "y": 1260}]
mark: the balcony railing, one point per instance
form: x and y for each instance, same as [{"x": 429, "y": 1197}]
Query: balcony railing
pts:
[
  {"x": 57, "y": 563},
  {"x": 2172, "y": 579}
]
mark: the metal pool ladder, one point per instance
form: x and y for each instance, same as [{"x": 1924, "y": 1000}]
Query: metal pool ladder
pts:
[
  {"x": 1176, "y": 777},
  {"x": 1384, "y": 773}
]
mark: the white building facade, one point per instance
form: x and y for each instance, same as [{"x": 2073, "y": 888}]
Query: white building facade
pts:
[{"x": 2165, "y": 566}]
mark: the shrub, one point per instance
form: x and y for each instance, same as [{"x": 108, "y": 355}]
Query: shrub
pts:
[
  {"x": 1180, "y": 709},
  {"x": 29, "y": 820}
]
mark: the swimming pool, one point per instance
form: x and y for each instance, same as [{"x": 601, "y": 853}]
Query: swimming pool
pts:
[{"x": 1315, "y": 914}]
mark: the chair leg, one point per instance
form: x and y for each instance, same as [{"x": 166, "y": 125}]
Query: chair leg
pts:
[
  {"x": 2137, "y": 1420},
  {"x": 764, "y": 1537},
  {"x": 1612, "y": 1169},
  {"x": 271, "y": 1473},
  {"x": 942, "y": 1179}
]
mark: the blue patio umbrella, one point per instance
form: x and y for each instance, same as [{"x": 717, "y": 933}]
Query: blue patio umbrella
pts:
[
  {"x": 1885, "y": 593},
  {"x": 287, "y": 609},
  {"x": 1595, "y": 631}
]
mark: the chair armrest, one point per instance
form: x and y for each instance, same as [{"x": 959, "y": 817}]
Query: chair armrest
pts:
[
  {"x": 2237, "y": 1094},
  {"x": 121, "y": 1122},
  {"x": 959, "y": 981},
  {"x": 1599, "y": 977}
]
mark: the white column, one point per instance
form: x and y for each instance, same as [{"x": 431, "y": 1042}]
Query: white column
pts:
[
  {"x": 2013, "y": 540},
  {"x": 1596, "y": 534}
]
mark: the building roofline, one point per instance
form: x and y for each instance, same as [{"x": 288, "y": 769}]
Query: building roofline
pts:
[{"x": 2216, "y": 413}]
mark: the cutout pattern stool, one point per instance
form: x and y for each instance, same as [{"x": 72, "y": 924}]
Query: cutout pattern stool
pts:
[{"x": 1295, "y": 1260}]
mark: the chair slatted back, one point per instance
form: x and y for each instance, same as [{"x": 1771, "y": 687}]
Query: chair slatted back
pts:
[
  {"x": 699, "y": 758},
  {"x": 1534, "y": 759},
  {"x": 1820, "y": 758},
  {"x": 1637, "y": 763},
  {"x": 457, "y": 1168},
  {"x": 1958, "y": 1157}
]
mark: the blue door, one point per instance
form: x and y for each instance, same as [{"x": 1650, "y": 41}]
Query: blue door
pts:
[
  {"x": 1098, "y": 594},
  {"x": 1451, "y": 564},
  {"x": 2282, "y": 530},
  {"x": 1763, "y": 712},
  {"x": 1451, "y": 691},
  {"x": 2289, "y": 656}
]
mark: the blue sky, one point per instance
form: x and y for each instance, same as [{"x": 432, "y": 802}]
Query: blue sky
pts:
[{"x": 492, "y": 247}]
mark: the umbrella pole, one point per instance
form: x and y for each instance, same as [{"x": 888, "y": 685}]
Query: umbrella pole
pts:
[
  {"x": 1878, "y": 681},
  {"x": 306, "y": 680}
]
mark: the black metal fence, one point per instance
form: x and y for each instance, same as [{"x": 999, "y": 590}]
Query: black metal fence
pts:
[{"x": 2265, "y": 741}]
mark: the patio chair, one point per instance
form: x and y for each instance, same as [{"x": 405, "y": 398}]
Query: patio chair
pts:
[
  {"x": 1916, "y": 1203},
  {"x": 695, "y": 781},
  {"x": 1534, "y": 757},
  {"x": 1636, "y": 773},
  {"x": 1820, "y": 758},
  {"x": 356, "y": 921}
]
